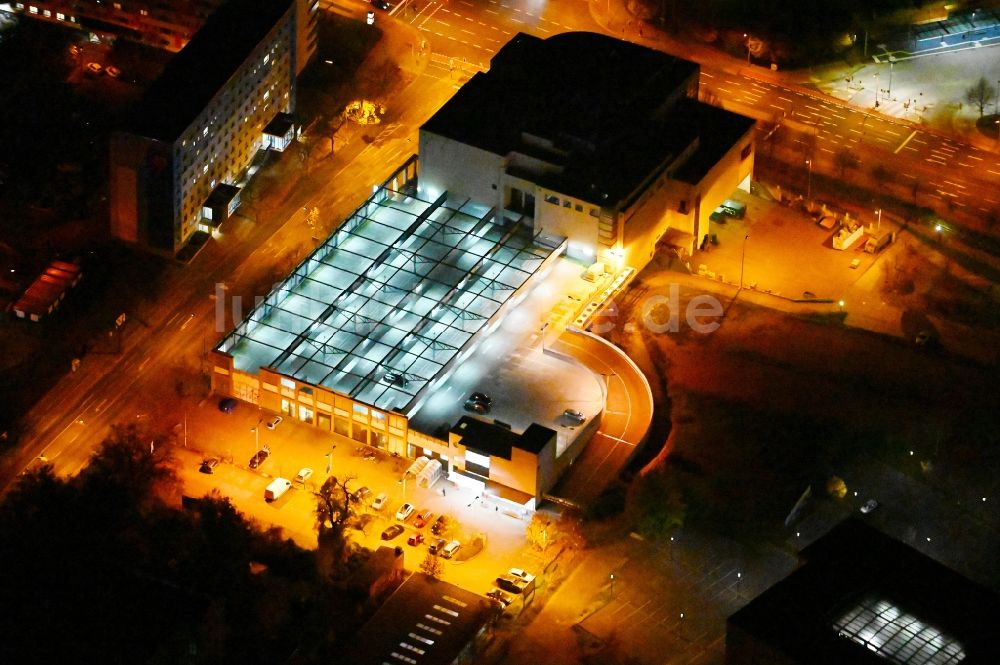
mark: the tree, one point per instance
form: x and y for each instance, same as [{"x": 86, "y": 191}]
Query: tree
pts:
[
  {"x": 334, "y": 503},
  {"x": 132, "y": 462},
  {"x": 655, "y": 502},
  {"x": 881, "y": 174},
  {"x": 981, "y": 94},
  {"x": 431, "y": 566},
  {"x": 845, "y": 159}
]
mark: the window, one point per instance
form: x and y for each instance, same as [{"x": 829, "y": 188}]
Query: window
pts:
[
  {"x": 682, "y": 207},
  {"x": 554, "y": 200},
  {"x": 567, "y": 204},
  {"x": 47, "y": 14},
  {"x": 746, "y": 151},
  {"x": 288, "y": 383},
  {"x": 594, "y": 212},
  {"x": 579, "y": 208}
]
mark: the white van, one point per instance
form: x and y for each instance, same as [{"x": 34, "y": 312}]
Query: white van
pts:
[{"x": 277, "y": 487}]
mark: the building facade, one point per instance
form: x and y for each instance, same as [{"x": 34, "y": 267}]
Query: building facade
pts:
[
  {"x": 201, "y": 123},
  {"x": 592, "y": 139}
]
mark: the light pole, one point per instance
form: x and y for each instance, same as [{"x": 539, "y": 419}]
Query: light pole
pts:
[
  {"x": 612, "y": 578},
  {"x": 892, "y": 61},
  {"x": 809, "y": 180},
  {"x": 743, "y": 259},
  {"x": 876, "y": 90},
  {"x": 256, "y": 435},
  {"x": 878, "y": 215},
  {"x": 746, "y": 36},
  {"x": 739, "y": 578}
]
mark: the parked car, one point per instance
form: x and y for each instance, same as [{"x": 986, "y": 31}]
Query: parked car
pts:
[
  {"x": 511, "y": 584},
  {"x": 113, "y": 72},
  {"x": 228, "y": 404},
  {"x": 362, "y": 494},
  {"x": 476, "y": 407},
  {"x": 303, "y": 475},
  {"x": 94, "y": 68},
  {"x": 500, "y": 597},
  {"x": 404, "y": 512},
  {"x": 436, "y": 546},
  {"x": 481, "y": 397},
  {"x": 415, "y": 539},
  {"x": 439, "y": 524},
  {"x": 422, "y": 518},
  {"x": 450, "y": 549},
  {"x": 276, "y": 488},
  {"x": 574, "y": 416},
  {"x": 522, "y": 574},
  {"x": 370, "y": 19},
  {"x": 259, "y": 457},
  {"x": 869, "y": 505},
  {"x": 380, "y": 501},
  {"x": 274, "y": 422},
  {"x": 392, "y": 531},
  {"x": 382, "y": 4},
  {"x": 208, "y": 465}
]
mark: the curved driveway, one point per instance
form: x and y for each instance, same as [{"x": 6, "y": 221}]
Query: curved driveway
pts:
[{"x": 627, "y": 415}]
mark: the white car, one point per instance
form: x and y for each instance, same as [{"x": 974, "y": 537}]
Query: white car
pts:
[
  {"x": 869, "y": 505},
  {"x": 274, "y": 422},
  {"x": 303, "y": 475},
  {"x": 404, "y": 512},
  {"x": 523, "y": 574},
  {"x": 380, "y": 501},
  {"x": 371, "y": 18},
  {"x": 450, "y": 549},
  {"x": 574, "y": 416}
]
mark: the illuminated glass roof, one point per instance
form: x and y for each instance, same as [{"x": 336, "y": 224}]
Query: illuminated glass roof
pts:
[
  {"x": 880, "y": 626},
  {"x": 388, "y": 299}
]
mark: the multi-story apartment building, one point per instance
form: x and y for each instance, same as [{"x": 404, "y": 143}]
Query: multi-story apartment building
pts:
[
  {"x": 589, "y": 138},
  {"x": 166, "y": 24},
  {"x": 192, "y": 137}
]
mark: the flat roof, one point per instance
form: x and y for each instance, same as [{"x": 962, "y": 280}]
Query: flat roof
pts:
[
  {"x": 604, "y": 103},
  {"x": 389, "y": 299},
  {"x": 863, "y": 597},
  {"x": 427, "y": 621},
  {"x": 202, "y": 68}
]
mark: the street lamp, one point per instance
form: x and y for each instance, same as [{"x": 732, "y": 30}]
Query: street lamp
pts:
[
  {"x": 739, "y": 578},
  {"x": 743, "y": 259},
  {"x": 878, "y": 215},
  {"x": 809, "y": 181},
  {"x": 892, "y": 61},
  {"x": 612, "y": 577},
  {"x": 746, "y": 36}
]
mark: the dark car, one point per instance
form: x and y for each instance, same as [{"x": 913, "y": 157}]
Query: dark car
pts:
[
  {"x": 500, "y": 597},
  {"x": 228, "y": 404},
  {"x": 436, "y": 545},
  {"x": 381, "y": 4},
  {"x": 476, "y": 407},
  {"x": 481, "y": 397},
  {"x": 208, "y": 465},
  {"x": 392, "y": 531},
  {"x": 511, "y": 584},
  {"x": 439, "y": 524},
  {"x": 259, "y": 457}
]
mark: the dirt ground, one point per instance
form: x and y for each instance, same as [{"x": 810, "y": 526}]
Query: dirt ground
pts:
[{"x": 771, "y": 402}]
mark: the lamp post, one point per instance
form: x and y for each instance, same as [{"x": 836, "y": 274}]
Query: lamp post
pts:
[
  {"x": 256, "y": 435},
  {"x": 612, "y": 578},
  {"x": 892, "y": 61},
  {"x": 878, "y": 216},
  {"x": 746, "y": 36},
  {"x": 809, "y": 180},
  {"x": 743, "y": 259},
  {"x": 739, "y": 578}
]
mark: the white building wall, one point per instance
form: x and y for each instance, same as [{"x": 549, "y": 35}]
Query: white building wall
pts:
[
  {"x": 461, "y": 170},
  {"x": 573, "y": 219}
]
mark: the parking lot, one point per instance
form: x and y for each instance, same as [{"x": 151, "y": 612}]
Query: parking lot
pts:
[{"x": 293, "y": 446}]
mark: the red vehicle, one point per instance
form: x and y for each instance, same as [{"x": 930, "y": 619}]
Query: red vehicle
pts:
[
  {"x": 422, "y": 518},
  {"x": 415, "y": 539}
]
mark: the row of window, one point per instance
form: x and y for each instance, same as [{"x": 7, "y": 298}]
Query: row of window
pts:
[{"x": 566, "y": 203}]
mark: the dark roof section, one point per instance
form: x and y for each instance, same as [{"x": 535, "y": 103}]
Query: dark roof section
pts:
[
  {"x": 717, "y": 130},
  {"x": 485, "y": 437},
  {"x": 603, "y": 102},
  {"x": 535, "y": 437},
  {"x": 497, "y": 441},
  {"x": 406, "y": 612},
  {"x": 198, "y": 72},
  {"x": 855, "y": 562}
]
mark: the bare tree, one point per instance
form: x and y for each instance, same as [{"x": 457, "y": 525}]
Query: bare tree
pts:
[
  {"x": 431, "y": 566},
  {"x": 981, "y": 94},
  {"x": 334, "y": 503}
]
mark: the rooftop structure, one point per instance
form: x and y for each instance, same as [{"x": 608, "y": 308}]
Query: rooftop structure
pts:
[
  {"x": 389, "y": 300},
  {"x": 863, "y": 598},
  {"x": 424, "y": 622},
  {"x": 593, "y": 139}
]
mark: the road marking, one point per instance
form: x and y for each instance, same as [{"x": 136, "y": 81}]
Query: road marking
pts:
[
  {"x": 143, "y": 365},
  {"x": 903, "y": 144},
  {"x": 993, "y": 172},
  {"x": 965, "y": 165},
  {"x": 827, "y": 150},
  {"x": 775, "y": 106},
  {"x": 912, "y": 177},
  {"x": 856, "y": 131},
  {"x": 974, "y": 157},
  {"x": 954, "y": 184},
  {"x": 786, "y": 99},
  {"x": 725, "y": 90}
]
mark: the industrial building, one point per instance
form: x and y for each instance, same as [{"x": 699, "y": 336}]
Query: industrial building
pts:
[
  {"x": 570, "y": 151},
  {"x": 863, "y": 598},
  {"x": 593, "y": 139}
]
